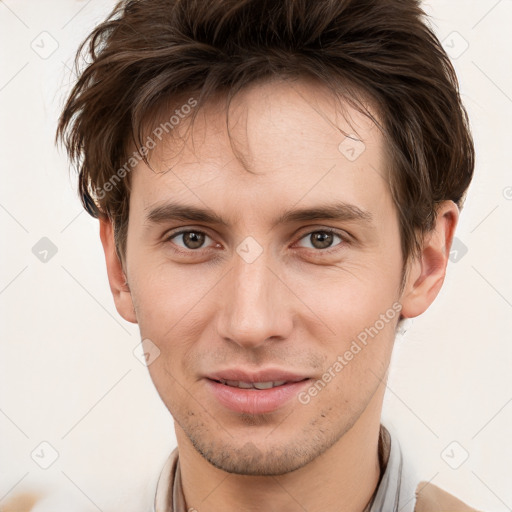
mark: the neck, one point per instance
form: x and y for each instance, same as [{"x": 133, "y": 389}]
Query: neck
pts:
[{"x": 342, "y": 479}]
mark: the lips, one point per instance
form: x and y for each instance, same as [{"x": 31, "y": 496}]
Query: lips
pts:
[
  {"x": 258, "y": 392},
  {"x": 266, "y": 375}
]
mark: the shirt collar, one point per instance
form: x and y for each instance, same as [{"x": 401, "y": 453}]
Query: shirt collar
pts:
[{"x": 396, "y": 490}]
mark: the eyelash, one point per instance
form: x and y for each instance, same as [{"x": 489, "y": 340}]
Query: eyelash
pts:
[{"x": 344, "y": 240}]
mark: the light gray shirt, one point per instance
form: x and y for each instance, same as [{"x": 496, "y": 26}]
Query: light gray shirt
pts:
[{"x": 397, "y": 488}]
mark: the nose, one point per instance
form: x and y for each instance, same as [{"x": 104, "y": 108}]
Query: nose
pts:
[{"x": 255, "y": 304}]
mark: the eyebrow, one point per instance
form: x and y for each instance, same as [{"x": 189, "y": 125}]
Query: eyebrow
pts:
[{"x": 338, "y": 211}]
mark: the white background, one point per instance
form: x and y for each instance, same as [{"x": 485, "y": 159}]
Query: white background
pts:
[{"x": 68, "y": 372}]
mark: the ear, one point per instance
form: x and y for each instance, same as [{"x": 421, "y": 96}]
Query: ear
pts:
[
  {"x": 427, "y": 272},
  {"x": 116, "y": 275}
]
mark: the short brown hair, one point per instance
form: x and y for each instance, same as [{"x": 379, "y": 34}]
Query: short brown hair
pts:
[{"x": 148, "y": 52}]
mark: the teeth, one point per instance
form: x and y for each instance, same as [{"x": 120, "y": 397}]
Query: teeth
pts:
[
  {"x": 267, "y": 385},
  {"x": 252, "y": 385},
  {"x": 263, "y": 385}
]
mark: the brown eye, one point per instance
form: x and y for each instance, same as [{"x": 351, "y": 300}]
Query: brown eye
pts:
[
  {"x": 190, "y": 239},
  {"x": 321, "y": 239},
  {"x": 193, "y": 240}
]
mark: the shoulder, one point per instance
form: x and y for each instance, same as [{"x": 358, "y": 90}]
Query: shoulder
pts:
[{"x": 430, "y": 498}]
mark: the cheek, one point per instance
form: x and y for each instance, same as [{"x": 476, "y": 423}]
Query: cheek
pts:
[
  {"x": 164, "y": 296},
  {"x": 349, "y": 297},
  {"x": 172, "y": 312},
  {"x": 352, "y": 375},
  {"x": 359, "y": 321}
]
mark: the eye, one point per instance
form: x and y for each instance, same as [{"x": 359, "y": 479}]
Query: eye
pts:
[
  {"x": 191, "y": 239},
  {"x": 322, "y": 239}
]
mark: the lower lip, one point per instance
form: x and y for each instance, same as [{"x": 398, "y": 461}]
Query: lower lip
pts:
[{"x": 255, "y": 401}]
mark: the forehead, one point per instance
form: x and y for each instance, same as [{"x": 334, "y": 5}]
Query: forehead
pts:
[{"x": 278, "y": 142}]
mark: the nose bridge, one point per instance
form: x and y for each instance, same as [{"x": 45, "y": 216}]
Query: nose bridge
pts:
[{"x": 253, "y": 308}]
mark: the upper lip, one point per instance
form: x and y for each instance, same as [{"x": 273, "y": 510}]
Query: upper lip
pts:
[{"x": 266, "y": 375}]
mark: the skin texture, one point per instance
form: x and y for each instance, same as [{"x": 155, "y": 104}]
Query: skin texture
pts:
[{"x": 296, "y": 307}]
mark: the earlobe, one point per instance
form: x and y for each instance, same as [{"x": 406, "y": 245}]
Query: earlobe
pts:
[
  {"x": 426, "y": 273},
  {"x": 116, "y": 275}
]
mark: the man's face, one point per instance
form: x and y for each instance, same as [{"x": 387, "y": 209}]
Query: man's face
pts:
[{"x": 256, "y": 294}]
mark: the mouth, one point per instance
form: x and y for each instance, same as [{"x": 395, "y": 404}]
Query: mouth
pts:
[
  {"x": 253, "y": 385},
  {"x": 256, "y": 396}
]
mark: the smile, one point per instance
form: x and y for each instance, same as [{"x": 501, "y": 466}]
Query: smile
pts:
[{"x": 252, "y": 385}]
